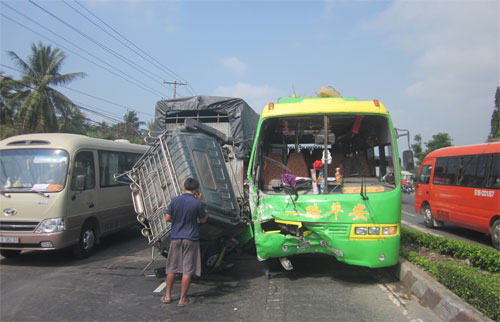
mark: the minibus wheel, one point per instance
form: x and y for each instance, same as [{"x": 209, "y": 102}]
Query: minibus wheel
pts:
[
  {"x": 8, "y": 253},
  {"x": 429, "y": 219},
  {"x": 495, "y": 234},
  {"x": 86, "y": 242}
]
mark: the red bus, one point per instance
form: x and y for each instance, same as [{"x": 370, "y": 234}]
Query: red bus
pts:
[{"x": 460, "y": 185}]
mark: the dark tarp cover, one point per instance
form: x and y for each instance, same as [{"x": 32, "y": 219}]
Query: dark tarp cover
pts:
[{"x": 243, "y": 119}]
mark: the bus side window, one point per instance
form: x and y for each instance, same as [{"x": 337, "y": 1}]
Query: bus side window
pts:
[
  {"x": 494, "y": 175},
  {"x": 84, "y": 164},
  {"x": 479, "y": 179},
  {"x": 425, "y": 174}
]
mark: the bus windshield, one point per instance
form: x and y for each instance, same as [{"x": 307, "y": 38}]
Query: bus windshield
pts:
[
  {"x": 358, "y": 153},
  {"x": 38, "y": 170}
]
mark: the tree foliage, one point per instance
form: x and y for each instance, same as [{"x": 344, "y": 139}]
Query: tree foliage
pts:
[
  {"x": 495, "y": 117},
  {"x": 41, "y": 103},
  {"x": 440, "y": 140},
  {"x": 31, "y": 104}
]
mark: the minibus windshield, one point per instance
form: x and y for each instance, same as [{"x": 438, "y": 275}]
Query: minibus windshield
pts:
[
  {"x": 357, "y": 155},
  {"x": 33, "y": 170}
]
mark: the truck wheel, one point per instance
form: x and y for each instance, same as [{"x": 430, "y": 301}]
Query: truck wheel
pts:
[
  {"x": 9, "y": 253},
  {"x": 495, "y": 234},
  {"x": 429, "y": 219},
  {"x": 86, "y": 242}
]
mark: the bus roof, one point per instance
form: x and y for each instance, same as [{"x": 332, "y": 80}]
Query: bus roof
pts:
[
  {"x": 322, "y": 105},
  {"x": 491, "y": 147},
  {"x": 70, "y": 142}
]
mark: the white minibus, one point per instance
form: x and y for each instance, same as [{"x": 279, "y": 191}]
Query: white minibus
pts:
[{"x": 57, "y": 190}]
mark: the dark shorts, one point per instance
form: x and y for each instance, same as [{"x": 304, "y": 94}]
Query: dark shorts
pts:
[{"x": 184, "y": 257}]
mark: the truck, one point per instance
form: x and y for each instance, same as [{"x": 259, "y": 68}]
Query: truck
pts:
[{"x": 310, "y": 175}]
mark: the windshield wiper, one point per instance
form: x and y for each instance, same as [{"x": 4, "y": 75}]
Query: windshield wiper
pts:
[
  {"x": 4, "y": 193},
  {"x": 39, "y": 192},
  {"x": 362, "y": 191}
]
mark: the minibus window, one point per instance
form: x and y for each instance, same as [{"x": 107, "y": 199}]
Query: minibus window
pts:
[
  {"x": 425, "y": 174},
  {"x": 25, "y": 170},
  {"x": 493, "y": 178},
  {"x": 84, "y": 165}
]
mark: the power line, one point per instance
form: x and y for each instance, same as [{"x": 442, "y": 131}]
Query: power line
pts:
[
  {"x": 158, "y": 64},
  {"x": 109, "y": 50},
  {"x": 137, "y": 82},
  {"x": 83, "y": 93},
  {"x": 77, "y": 104},
  {"x": 114, "y": 37}
]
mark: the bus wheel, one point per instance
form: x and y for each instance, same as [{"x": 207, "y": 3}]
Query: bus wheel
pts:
[
  {"x": 428, "y": 217},
  {"x": 87, "y": 241},
  {"x": 8, "y": 253},
  {"x": 495, "y": 234}
]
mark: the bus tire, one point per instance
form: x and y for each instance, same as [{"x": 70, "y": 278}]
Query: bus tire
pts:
[
  {"x": 87, "y": 241},
  {"x": 9, "y": 253},
  {"x": 495, "y": 233},
  {"x": 429, "y": 219}
]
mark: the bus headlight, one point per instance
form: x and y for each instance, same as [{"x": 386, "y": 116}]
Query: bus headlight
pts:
[
  {"x": 51, "y": 225},
  {"x": 389, "y": 230},
  {"x": 373, "y": 231},
  {"x": 361, "y": 230}
]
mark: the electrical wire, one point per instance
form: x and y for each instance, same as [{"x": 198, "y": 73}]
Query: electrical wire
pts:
[
  {"x": 83, "y": 93},
  {"x": 106, "y": 48},
  {"x": 134, "y": 81},
  {"x": 158, "y": 64}
]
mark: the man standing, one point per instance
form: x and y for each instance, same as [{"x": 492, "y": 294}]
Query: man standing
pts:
[{"x": 184, "y": 212}]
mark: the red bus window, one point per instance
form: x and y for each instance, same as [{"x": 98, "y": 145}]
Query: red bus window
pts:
[{"x": 493, "y": 177}]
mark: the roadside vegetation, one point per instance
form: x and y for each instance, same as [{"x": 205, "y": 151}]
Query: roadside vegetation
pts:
[
  {"x": 34, "y": 104},
  {"x": 470, "y": 271}
]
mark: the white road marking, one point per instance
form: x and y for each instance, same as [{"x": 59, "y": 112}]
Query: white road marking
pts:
[
  {"x": 425, "y": 230},
  {"x": 408, "y": 213},
  {"x": 160, "y": 288}
]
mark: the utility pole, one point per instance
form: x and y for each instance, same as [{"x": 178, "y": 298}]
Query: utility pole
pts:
[{"x": 175, "y": 83}]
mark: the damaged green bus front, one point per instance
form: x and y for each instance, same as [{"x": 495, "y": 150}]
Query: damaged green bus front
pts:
[{"x": 325, "y": 178}]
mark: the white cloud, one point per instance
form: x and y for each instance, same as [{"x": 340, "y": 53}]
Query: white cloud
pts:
[
  {"x": 456, "y": 44},
  {"x": 234, "y": 64},
  {"x": 257, "y": 96},
  {"x": 455, "y": 71}
]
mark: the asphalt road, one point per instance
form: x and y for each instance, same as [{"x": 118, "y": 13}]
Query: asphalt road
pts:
[
  {"x": 110, "y": 286},
  {"x": 412, "y": 220}
]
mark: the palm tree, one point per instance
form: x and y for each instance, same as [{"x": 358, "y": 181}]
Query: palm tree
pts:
[{"x": 41, "y": 102}]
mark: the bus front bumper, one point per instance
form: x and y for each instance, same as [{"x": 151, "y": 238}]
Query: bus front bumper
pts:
[
  {"x": 371, "y": 253},
  {"x": 33, "y": 241}
]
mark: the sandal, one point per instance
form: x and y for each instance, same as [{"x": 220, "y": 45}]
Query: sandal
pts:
[
  {"x": 165, "y": 301},
  {"x": 188, "y": 302}
]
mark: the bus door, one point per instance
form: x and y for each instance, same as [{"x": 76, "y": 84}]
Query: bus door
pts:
[
  {"x": 424, "y": 183},
  {"x": 82, "y": 194}
]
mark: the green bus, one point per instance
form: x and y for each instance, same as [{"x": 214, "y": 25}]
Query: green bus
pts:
[{"x": 324, "y": 177}]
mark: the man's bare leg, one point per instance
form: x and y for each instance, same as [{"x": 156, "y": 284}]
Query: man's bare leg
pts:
[
  {"x": 170, "y": 283},
  {"x": 186, "y": 281}
]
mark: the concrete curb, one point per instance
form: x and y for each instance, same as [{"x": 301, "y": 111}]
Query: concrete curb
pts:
[{"x": 432, "y": 294}]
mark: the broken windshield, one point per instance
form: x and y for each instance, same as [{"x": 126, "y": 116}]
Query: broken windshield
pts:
[
  {"x": 323, "y": 154},
  {"x": 33, "y": 170}
]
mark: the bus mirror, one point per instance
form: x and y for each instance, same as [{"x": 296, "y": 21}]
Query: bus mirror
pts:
[
  {"x": 408, "y": 162},
  {"x": 79, "y": 182}
]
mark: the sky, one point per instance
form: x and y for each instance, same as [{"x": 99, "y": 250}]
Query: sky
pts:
[{"x": 435, "y": 65}]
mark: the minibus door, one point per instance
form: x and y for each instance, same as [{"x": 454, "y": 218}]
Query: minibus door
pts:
[
  {"x": 82, "y": 198},
  {"x": 424, "y": 183}
]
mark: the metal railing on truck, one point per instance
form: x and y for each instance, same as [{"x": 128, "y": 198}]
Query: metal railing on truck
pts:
[{"x": 154, "y": 185}]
